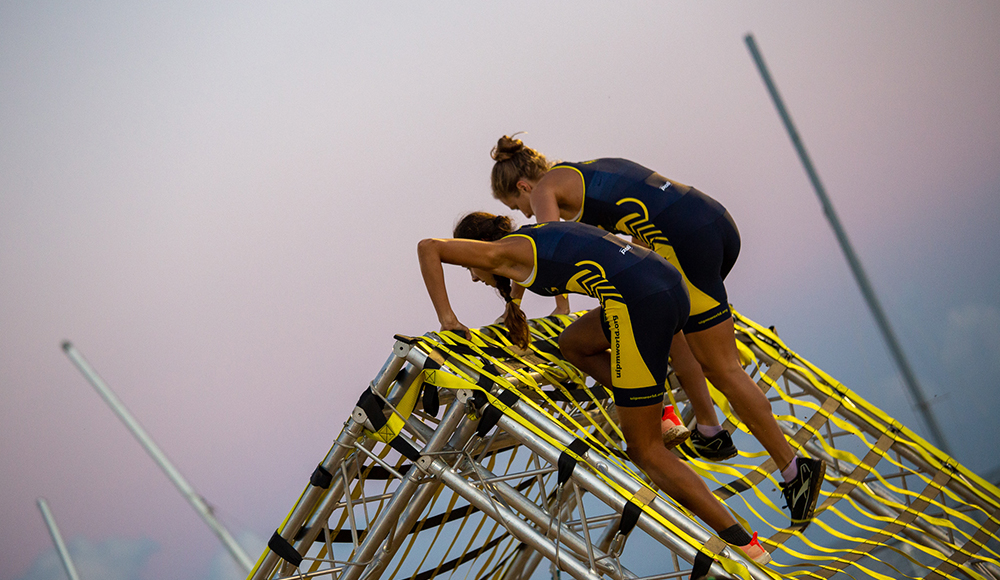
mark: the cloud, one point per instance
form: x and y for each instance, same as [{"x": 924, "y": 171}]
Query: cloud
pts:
[{"x": 110, "y": 559}]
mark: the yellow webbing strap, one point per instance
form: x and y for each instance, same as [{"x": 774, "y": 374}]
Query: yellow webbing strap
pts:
[
  {"x": 801, "y": 436},
  {"x": 863, "y": 469},
  {"x": 394, "y": 424},
  {"x": 891, "y": 529},
  {"x": 759, "y": 473},
  {"x": 526, "y": 379},
  {"x": 971, "y": 547},
  {"x": 850, "y": 482},
  {"x": 642, "y": 497}
]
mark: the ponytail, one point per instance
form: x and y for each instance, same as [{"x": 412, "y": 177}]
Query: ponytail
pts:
[
  {"x": 513, "y": 317},
  {"x": 487, "y": 227}
]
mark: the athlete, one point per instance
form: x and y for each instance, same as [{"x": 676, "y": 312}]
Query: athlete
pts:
[
  {"x": 643, "y": 307},
  {"x": 695, "y": 234}
]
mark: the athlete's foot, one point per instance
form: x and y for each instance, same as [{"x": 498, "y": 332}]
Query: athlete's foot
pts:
[
  {"x": 718, "y": 447},
  {"x": 673, "y": 430},
  {"x": 756, "y": 552},
  {"x": 802, "y": 492}
]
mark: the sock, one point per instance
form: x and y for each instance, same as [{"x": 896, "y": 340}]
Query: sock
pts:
[
  {"x": 709, "y": 430},
  {"x": 736, "y": 535},
  {"x": 789, "y": 472}
]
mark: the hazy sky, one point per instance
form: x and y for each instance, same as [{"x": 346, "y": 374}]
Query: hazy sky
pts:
[{"x": 219, "y": 205}]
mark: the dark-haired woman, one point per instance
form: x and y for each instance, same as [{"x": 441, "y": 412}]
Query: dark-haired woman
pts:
[
  {"x": 643, "y": 305},
  {"x": 696, "y": 235}
]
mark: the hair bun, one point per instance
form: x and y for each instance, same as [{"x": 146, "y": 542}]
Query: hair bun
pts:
[
  {"x": 503, "y": 222},
  {"x": 507, "y": 147}
]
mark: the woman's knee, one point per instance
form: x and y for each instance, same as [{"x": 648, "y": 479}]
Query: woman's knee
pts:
[
  {"x": 571, "y": 344},
  {"x": 640, "y": 453},
  {"x": 727, "y": 377}
]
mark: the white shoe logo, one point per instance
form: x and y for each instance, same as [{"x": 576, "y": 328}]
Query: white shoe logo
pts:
[
  {"x": 805, "y": 488},
  {"x": 625, "y": 249}
]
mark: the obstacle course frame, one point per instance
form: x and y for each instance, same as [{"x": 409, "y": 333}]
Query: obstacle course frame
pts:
[{"x": 525, "y": 465}]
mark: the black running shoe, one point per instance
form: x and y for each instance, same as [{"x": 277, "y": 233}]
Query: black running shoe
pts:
[
  {"x": 718, "y": 447},
  {"x": 802, "y": 492}
]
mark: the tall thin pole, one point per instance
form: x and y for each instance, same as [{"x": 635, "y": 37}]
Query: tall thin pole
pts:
[
  {"x": 909, "y": 379},
  {"x": 196, "y": 501},
  {"x": 50, "y": 522}
]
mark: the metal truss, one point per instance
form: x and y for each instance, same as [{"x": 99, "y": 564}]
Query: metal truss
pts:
[{"x": 476, "y": 460}]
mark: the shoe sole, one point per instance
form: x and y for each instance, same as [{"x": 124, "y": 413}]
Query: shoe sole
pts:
[
  {"x": 719, "y": 457},
  {"x": 814, "y": 490},
  {"x": 675, "y": 436},
  {"x": 762, "y": 560}
]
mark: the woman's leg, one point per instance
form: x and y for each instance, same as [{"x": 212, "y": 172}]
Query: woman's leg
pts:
[
  {"x": 715, "y": 349},
  {"x": 584, "y": 345},
  {"x": 641, "y": 427},
  {"x": 692, "y": 379}
]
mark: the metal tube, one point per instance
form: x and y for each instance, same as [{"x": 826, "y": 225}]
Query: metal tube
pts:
[
  {"x": 353, "y": 429},
  {"x": 516, "y": 500},
  {"x": 516, "y": 526},
  {"x": 415, "y": 507},
  {"x": 379, "y": 529},
  {"x": 613, "y": 499},
  {"x": 597, "y": 486},
  {"x": 50, "y": 522},
  {"x": 196, "y": 501},
  {"x": 909, "y": 378},
  {"x": 541, "y": 519}
]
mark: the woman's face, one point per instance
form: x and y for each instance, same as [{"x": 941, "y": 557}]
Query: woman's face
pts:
[
  {"x": 520, "y": 202},
  {"x": 483, "y": 276}
]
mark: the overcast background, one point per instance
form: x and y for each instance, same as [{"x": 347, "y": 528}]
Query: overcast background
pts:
[{"x": 219, "y": 204}]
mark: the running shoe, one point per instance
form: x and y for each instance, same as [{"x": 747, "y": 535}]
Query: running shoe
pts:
[
  {"x": 718, "y": 447},
  {"x": 673, "y": 430},
  {"x": 802, "y": 491},
  {"x": 756, "y": 552}
]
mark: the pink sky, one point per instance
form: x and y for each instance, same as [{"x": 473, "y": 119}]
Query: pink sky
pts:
[{"x": 219, "y": 206}]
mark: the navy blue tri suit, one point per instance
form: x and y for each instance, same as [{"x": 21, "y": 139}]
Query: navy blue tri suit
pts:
[
  {"x": 643, "y": 297},
  {"x": 688, "y": 228}
]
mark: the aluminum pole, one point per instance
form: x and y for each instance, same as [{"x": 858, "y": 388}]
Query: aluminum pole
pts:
[
  {"x": 57, "y": 539},
  {"x": 909, "y": 379},
  {"x": 196, "y": 501}
]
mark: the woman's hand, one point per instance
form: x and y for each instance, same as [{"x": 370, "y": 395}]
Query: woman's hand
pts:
[
  {"x": 457, "y": 327},
  {"x": 562, "y": 305}
]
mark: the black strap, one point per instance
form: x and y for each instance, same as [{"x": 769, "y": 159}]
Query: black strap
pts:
[
  {"x": 345, "y": 537},
  {"x": 372, "y": 406},
  {"x": 456, "y": 562},
  {"x": 491, "y": 414},
  {"x": 321, "y": 477},
  {"x": 567, "y": 462},
  {"x": 404, "y": 447},
  {"x": 630, "y": 517},
  {"x": 485, "y": 383},
  {"x": 284, "y": 550},
  {"x": 489, "y": 420},
  {"x": 431, "y": 364},
  {"x": 430, "y": 399},
  {"x": 378, "y": 472},
  {"x": 702, "y": 564}
]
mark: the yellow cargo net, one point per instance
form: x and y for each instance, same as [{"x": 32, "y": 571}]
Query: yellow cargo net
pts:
[{"x": 892, "y": 506}]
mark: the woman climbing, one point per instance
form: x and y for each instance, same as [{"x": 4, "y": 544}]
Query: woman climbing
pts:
[
  {"x": 696, "y": 235},
  {"x": 643, "y": 306}
]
